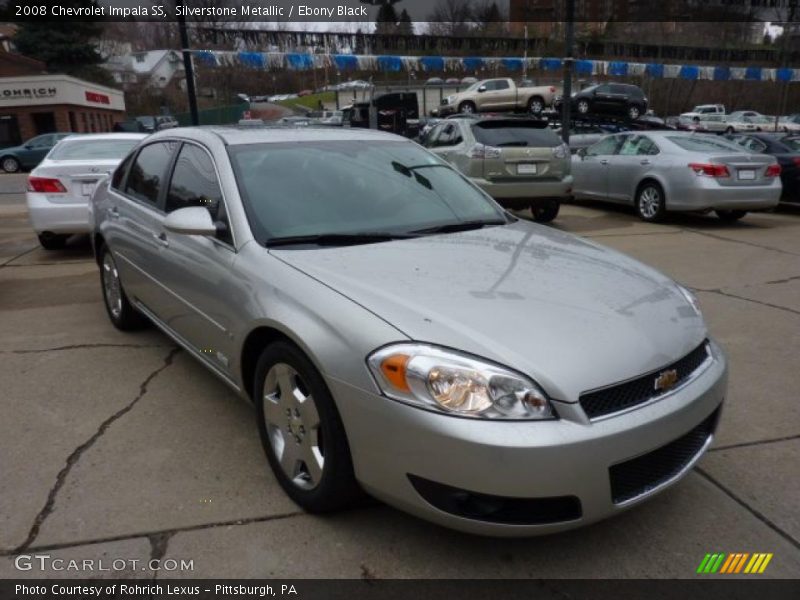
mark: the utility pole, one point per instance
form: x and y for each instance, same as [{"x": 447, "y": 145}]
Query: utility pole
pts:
[
  {"x": 566, "y": 104},
  {"x": 188, "y": 68},
  {"x": 525, "y": 56}
]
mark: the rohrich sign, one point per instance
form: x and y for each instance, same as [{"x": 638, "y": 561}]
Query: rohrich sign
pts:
[{"x": 41, "y": 90}]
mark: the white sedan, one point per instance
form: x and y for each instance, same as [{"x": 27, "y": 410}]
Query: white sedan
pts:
[{"x": 59, "y": 189}]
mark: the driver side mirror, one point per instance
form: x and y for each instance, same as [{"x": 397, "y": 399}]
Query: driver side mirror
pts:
[
  {"x": 192, "y": 220},
  {"x": 481, "y": 89}
]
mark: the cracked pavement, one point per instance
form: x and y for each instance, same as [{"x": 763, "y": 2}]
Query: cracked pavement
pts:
[{"x": 121, "y": 446}]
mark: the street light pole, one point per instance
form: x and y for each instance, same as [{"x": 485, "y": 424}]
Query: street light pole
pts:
[
  {"x": 566, "y": 96},
  {"x": 188, "y": 68}
]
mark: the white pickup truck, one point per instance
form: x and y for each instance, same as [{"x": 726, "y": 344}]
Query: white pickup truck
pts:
[{"x": 498, "y": 95}]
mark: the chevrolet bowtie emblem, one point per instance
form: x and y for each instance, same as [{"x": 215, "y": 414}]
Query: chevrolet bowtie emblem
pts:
[{"x": 665, "y": 380}]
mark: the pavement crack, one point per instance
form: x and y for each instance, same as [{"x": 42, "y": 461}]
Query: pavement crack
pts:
[
  {"x": 158, "y": 549},
  {"x": 82, "y": 346},
  {"x": 733, "y": 241},
  {"x": 758, "y": 515},
  {"x": 76, "y": 455},
  {"x": 788, "y": 438},
  {"x": 20, "y": 255},
  {"x": 151, "y": 534},
  {"x": 787, "y": 280},
  {"x": 762, "y": 303}
]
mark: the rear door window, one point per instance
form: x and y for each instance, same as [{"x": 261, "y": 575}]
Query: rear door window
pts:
[{"x": 500, "y": 134}]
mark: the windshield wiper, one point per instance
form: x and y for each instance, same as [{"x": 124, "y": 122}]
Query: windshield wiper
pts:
[
  {"x": 461, "y": 226},
  {"x": 336, "y": 239}
]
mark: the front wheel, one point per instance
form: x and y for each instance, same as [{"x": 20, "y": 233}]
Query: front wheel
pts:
[
  {"x": 651, "y": 205},
  {"x": 729, "y": 130},
  {"x": 301, "y": 431},
  {"x": 634, "y": 112},
  {"x": 544, "y": 212},
  {"x": 729, "y": 216},
  {"x": 583, "y": 107}
]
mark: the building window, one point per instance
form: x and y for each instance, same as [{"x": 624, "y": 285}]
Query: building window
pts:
[
  {"x": 85, "y": 123},
  {"x": 73, "y": 123}
]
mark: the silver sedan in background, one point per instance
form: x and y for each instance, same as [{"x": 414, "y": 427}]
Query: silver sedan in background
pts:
[
  {"x": 665, "y": 171},
  {"x": 398, "y": 332}
]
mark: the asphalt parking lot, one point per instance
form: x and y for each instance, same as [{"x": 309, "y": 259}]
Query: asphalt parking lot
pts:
[{"x": 120, "y": 446}]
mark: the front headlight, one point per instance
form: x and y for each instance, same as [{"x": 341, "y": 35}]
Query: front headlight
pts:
[{"x": 456, "y": 383}]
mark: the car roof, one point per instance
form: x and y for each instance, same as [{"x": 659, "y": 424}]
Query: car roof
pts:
[{"x": 234, "y": 135}]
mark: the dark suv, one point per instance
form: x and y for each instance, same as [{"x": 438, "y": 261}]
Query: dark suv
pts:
[{"x": 611, "y": 98}]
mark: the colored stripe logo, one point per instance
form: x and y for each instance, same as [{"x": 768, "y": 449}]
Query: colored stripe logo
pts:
[{"x": 737, "y": 562}]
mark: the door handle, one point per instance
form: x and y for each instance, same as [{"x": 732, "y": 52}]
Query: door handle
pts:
[
  {"x": 113, "y": 212},
  {"x": 644, "y": 161},
  {"x": 604, "y": 162},
  {"x": 161, "y": 238}
]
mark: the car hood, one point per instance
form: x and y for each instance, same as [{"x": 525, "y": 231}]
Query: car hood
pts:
[{"x": 570, "y": 313}]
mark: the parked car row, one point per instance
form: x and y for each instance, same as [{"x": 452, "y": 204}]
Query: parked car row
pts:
[{"x": 397, "y": 331}]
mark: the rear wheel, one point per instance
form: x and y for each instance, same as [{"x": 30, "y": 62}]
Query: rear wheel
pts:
[
  {"x": 52, "y": 241},
  {"x": 729, "y": 130},
  {"x": 634, "y": 112},
  {"x": 583, "y": 107},
  {"x": 544, "y": 212},
  {"x": 122, "y": 314},
  {"x": 301, "y": 431},
  {"x": 10, "y": 164},
  {"x": 729, "y": 216},
  {"x": 536, "y": 105},
  {"x": 467, "y": 108},
  {"x": 651, "y": 205}
]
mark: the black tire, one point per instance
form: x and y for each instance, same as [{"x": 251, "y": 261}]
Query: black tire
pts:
[
  {"x": 544, "y": 212},
  {"x": 467, "y": 107},
  {"x": 651, "y": 203},
  {"x": 536, "y": 105},
  {"x": 121, "y": 313},
  {"x": 634, "y": 112},
  {"x": 730, "y": 216},
  {"x": 336, "y": 488},
  {"x": 10, "y": 164},
  {"x": 730, "y": 130},
  {"x": 583, "y": 107},
  {"x": 52, "y": 241}
]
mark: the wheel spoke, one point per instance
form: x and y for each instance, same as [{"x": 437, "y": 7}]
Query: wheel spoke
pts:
[
  {"x": 308, "y": 411},
  {"x": 290, "y": 458},
  {"x": 274, "y": 413},
  {"x": 314, "y": 463}
]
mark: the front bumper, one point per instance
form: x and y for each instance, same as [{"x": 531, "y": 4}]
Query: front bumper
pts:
[
  {"x": 561, "y": 188},
  {"x": 61, "y": 217},
  {"x": 443, "y": 110},
  {"x": 393, "y": 444}
]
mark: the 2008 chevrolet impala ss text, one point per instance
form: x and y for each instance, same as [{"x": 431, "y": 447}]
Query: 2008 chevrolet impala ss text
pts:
[{"x": 399, "y": 333}]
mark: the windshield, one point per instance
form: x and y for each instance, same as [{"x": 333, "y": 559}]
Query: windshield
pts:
[
  {"x": 473, "y": 87},
  {"x": 93, "y": 149},
  {"x": 704, "y": 144},
  {"x": 351, "y": 187}
]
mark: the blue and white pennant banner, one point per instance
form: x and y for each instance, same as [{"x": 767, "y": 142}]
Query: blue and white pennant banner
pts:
[{"x": 298, "y": 61}]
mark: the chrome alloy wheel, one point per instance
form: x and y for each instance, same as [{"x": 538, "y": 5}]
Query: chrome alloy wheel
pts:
[
  {"x": 293, "y": 426},
  {"x": 649, "y": 202},
  {"x": 112, "y": 286}
]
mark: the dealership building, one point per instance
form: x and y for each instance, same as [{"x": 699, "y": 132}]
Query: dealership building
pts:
[{"x": 34, "y": 104}]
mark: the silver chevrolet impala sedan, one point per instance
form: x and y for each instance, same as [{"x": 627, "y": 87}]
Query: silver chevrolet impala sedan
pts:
[{"x": 400, "y": 334}]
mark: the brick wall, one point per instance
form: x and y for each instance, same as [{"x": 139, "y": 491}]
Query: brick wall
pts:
[{"x": 86, "y": 120}]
